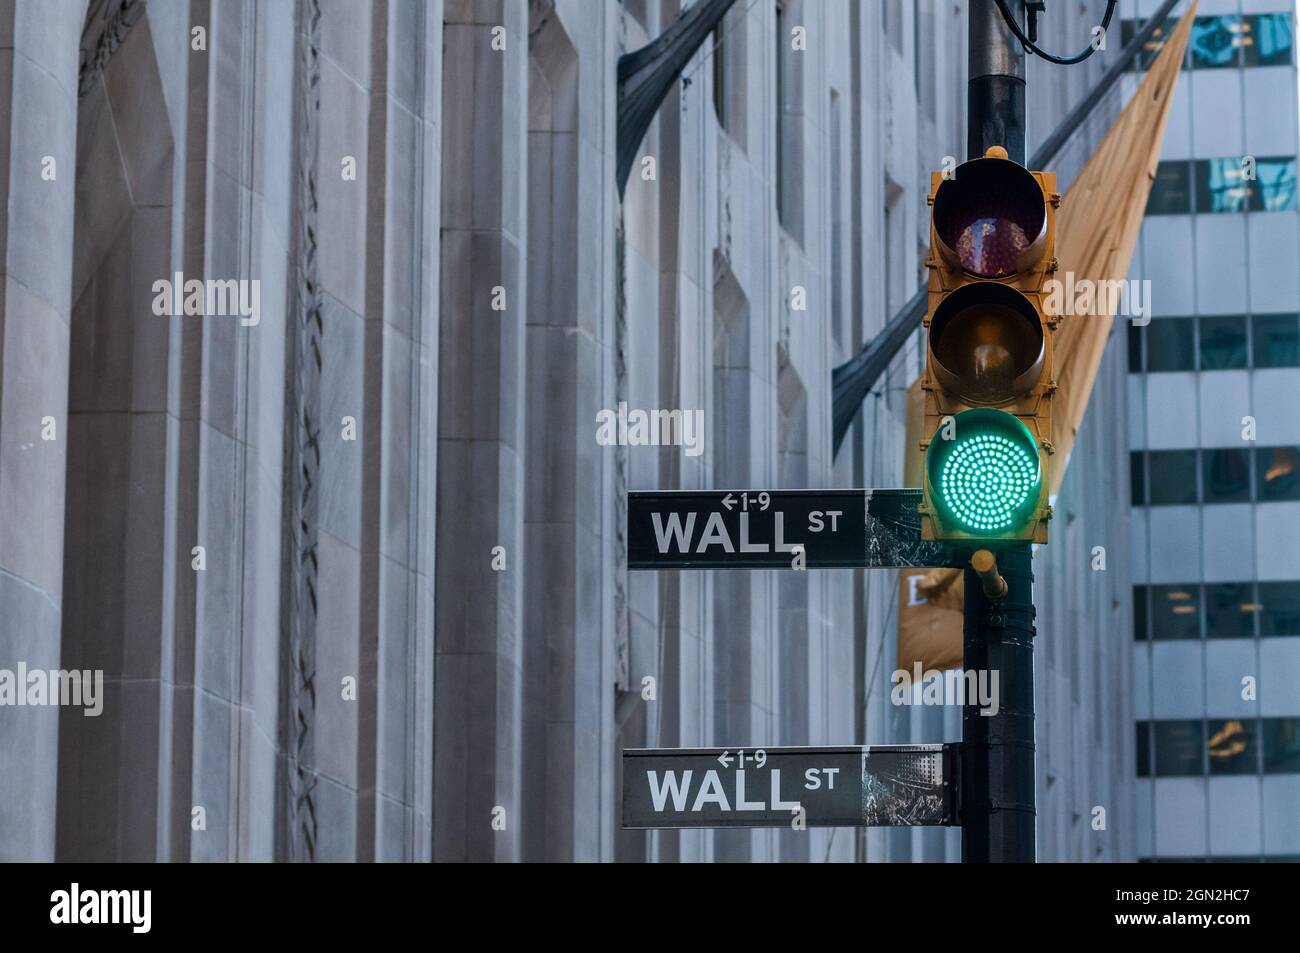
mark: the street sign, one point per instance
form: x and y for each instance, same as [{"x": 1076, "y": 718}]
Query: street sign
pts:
[
  {"x": 762, "y": 529},
  {"x": 856, "y": 786}
]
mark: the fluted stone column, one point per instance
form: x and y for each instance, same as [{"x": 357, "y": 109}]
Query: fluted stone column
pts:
[
  {"x": 38, "y": 100},
  {"x": 481, "y": 417},
  {"x": 395, "y": 811},
  {"x": 176, "y": 471},
  {"x": 568, "y": 628}
]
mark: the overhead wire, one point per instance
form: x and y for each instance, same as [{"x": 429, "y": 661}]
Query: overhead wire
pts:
[{"x": 1031, "y": 47}]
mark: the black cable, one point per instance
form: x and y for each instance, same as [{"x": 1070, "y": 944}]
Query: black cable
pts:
[{"x": 1031, "y": 47}]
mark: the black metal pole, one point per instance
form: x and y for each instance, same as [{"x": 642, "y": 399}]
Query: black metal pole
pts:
[
  {"x": 995, "y": 106},
  {"x": 997, "y": 773}
]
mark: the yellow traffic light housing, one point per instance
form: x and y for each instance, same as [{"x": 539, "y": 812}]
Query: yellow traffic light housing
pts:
[{"x": 988, "y": 381}]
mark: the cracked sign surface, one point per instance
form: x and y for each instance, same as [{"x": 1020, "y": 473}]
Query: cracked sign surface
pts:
[
  {"x": 762, "y": 529},
  {"x": 855, "y": 786}
]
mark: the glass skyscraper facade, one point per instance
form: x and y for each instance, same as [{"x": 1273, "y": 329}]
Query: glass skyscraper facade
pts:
[{"x": 1214, "y": 430}]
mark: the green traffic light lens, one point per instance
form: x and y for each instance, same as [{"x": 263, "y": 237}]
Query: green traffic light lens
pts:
[{"x": 986, "y": 479}]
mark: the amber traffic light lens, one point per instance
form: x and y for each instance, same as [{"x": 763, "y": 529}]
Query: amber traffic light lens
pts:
[
  {"x": 990, "y": 218},
  {"x": 986, "y": 343}
]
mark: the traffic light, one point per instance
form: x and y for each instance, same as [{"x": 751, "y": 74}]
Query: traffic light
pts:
[{"x": 988, "y": 383}]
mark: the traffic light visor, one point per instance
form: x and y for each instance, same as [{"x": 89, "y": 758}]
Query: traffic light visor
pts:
[
  {"x": 986, "y": 343},
  {"x": 991, "y": 218},
  {"x": 986, "y": 479}
]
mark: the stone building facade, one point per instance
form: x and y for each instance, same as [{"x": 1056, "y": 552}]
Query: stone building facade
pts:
[{"x": 353, "y": 565}]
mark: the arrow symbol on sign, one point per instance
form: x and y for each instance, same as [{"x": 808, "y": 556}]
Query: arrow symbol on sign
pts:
[
  {"x": 728, "y": 502},
  {"x": 725, "y": 759}
]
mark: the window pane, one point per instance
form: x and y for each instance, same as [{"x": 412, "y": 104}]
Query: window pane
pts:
[
  {"x": 1223, "y": 343},
  {"x": 1230, "y": 610},
  {"x": 1222, "y": 186},
  {"x": 1171, "y": 191},
  {"x": 1227, "y": 475},
  {"x": 1178, "y": 748},
  {"x": 1144, "y": 749},
  {"x": 1276, "y": 185},
  {"x": 1169, "y": 345},
  {"x": 1130, "y": 28},
  {"x": 1137, "y": 480},
  {"x": 1140, "y": 632},
  {"x": 1278, "y": 470},
  {"x": 1281, "y": 745},
  {"x": 1279, "y": 608},
  {"x": 780, "y": 61},
  {"x": 1232, "y": 747},
  {"x": 1171, "y": 477},
  {"x": 1134, "y": 348},
  {"x": 1215, "y": 41},
  {"x": 1175, "y": 612},
  {"x": 1268, "y": 39},
  {"x": 719, "y": 74},
  {"x": 1277, "y": 340}
]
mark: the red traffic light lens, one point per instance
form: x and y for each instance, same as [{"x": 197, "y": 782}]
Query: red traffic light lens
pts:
[{"x": 990, "y": 218}]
